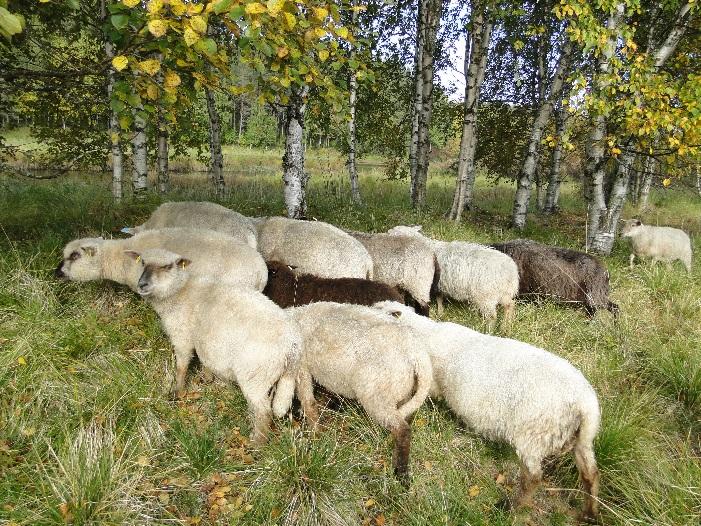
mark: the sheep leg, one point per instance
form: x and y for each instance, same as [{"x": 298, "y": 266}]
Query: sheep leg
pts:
[
  {"x": 489, "y": 312},
  {"x": 630, "y": 260},
  {"x": 261, "y": 412},
  {"x": 439, "y": 303},
  {"x": 509, "y": 308},
  {"x": 305, "y": 394},
  {"x": 531, "y": 475},
  {"x": 401, "y": 432},
  {"x": 589, "y": 473},
  {"x": 183, "y": 357}
]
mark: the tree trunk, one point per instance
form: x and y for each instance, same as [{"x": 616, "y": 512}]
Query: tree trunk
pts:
[
  {"x": 523, "y": 190},
  {"x": 139, "y": 181},
  {"x": 646, "y": 183},
  {"x": 294, "y": 177},
  {"x": 352, "y": 166},
  {"x": 698, "y": 179},
  {"x": 114, "y": 131},
  {"x": 476, "y": 50},
  {"x": 163, "y": 175},
  {"x": 553, "y": 195},
  {"x": 216, "y": 163},
  {"x": 432, "y": 16},
  {"x": 416, "y": 98}
]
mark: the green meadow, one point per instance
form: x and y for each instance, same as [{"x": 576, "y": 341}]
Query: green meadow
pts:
[{"x": 90, "y": 435}]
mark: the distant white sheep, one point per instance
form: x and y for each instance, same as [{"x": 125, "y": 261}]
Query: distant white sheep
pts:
[
  {"x": 404, "y": 262},
  {"x": 508, "y": 390},
  {"x": 361, "y": 353},
  {"x": 661, "y": 243},
  {"x": 472, "y": 272},
  {"x": 200, "y": 214},
  {"x": 313, "y": 247},
  {"x": 213, "y": 254},
  {"x": 238, "y": 333}
]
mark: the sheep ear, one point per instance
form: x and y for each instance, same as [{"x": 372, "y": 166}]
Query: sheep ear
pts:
[
  {"x": 133, "y": 255},
  {"x": 90, "y": 250},
  {"x": 396, "y": 313},
  {"x": 637, "y": 222},
  {"x": 183, "y": 263},
  {"x": 418, "y": 228}
]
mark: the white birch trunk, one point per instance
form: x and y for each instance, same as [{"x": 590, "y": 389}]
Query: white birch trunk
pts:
[
  {"x": 139, "y": 180},
  {"x": 352, "y": 165},
  {"x": 163, "y": 174},
  {"x": 476, "y": 50},
  {"x": 114, "y": 131},
  {"x": 417, "y": 95},
  {"x": 552, "y": 196},
  {"x": 294, "y": 177},
  {"x": 646, "y": 183},
  {"x": 216, "y": 161},
  {"x": 433, "y": 9},
  {"x": 523, "y": 190}
]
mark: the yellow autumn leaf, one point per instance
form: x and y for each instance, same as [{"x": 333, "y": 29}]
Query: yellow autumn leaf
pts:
[
  {"x": 285, "y": 82},
  {"x": 194, "y": 9},
  {"x": 282, "y": 52},
  {"x": 369, "y": 503},
  {"x": 323, "y": 55},
  {"x": 275, "y": 6},
  {"x": 342, "y": 32},
  {"x": 150, "y": 66},
  {"x": 320, "y": 12},
  {"x": 191, "y": 36},
  {"x": 120, "y": 62},
  {"x": 22, "y": 360},
  {"x": 615, "y": 151},
  {"x": 154, "y": 6},
  {"x": 131, "y": 3},
  {"x": 177, "y": 7},
  {"x": 666, "y": 182},
  {"x": 255, "y": 8},
  {"x": 198, "y": 24},
  {"x": 157, "y": 28},
  {"x": 473, "y": 491},
  {"x": 290, "y": 20},
  {"x": 320, "y": 32},
  {"x": 171, "y": 80}
]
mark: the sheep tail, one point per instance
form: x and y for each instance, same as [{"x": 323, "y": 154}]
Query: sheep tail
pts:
[
  {"x": 423, "y": 375},
  {"x": 285, "y": 387},
  {"x": 436, "y": 277}
]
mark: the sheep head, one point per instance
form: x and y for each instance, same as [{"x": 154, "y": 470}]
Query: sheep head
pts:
[
  {"x": 630, "y": 227},
  {"x": 164, "y": 273},
  {"x": 82, "y": 260}
]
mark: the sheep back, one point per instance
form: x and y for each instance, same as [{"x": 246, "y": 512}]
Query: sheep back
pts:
[
  {"x": 313, "y": 247},
  {"x": 659, "y": 242}
]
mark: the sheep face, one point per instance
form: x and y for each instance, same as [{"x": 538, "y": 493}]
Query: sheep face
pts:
[
  {"x": 630, "y": 227},
  {"x": 164, "y": 273},
  {"x": 82, "y": 260}
]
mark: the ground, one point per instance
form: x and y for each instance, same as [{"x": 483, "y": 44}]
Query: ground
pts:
[{"x": 89, "y": 434}]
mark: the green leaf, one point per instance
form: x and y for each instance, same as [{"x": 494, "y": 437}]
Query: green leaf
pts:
[
  {"x": 117, "y": 105},
  {"x": 9, "y": 22},
  {"x": 116, "y": 8},
  {"x": 222, "y": 5},
  {"x": 120, "y": 21},
  {"x": 236, "y": 12},
  {"x": 134, "y": 100},
  {"x": 207, "y": 46},
  {"x": 73, "y": 4}
]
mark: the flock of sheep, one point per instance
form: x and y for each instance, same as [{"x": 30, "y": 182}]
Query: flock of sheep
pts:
[{"x": 275, "y": 304}]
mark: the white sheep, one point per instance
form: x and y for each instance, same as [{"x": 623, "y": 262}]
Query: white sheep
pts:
[
  {"x": 313, "y": 247},
  {"x": 404, "y": 262},
  {"x": 238, "y": 333},
  {"x": 508, "y": 390},
  {"x": 472, "y": 272},
  {"x": 661, "y": 243},
  {"x": 213, "y": 254},
  {"x": 361, "y": 353},
  {"x": 200, "y": 214}
]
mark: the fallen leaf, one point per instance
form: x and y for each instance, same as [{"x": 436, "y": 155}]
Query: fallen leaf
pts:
[
  {"x": 428, "y": 464},
  {"x": 501, "y": 479},
  {"x": 369, "y": 503},
  {"x": 380, "y": 519},
  {"x": 164, "y": 498},
  {"x": 65, "y": 511},
  {"x": 22, "y": 360},
  {"x": 473, "y": 491}
]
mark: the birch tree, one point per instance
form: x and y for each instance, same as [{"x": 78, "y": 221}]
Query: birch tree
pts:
[
  {"x": 294, "y": 175},
  {"x": 476, "y": 49},
  {"x": 139, "y": 181},
  {"x": 216, "y": 158},
  {"x": 114, "y": 131},
  {"x": 552, "y": 196}
]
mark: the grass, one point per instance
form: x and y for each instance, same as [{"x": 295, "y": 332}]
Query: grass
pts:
[{"x": 89, "y": 434}]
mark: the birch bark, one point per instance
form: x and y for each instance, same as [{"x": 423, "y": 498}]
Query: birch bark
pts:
[
  {"x": 139, "y": 180},
  {"x": 116, "y": 146},
  {"x": 216, "y": 162},
  {"x": 294, "y": 177},
  {"x": 552, "y": 196}
]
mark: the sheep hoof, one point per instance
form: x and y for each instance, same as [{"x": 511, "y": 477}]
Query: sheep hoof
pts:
[
  {"x": 176, "y": 395},
  {"x": 504, "y": 504},
  {"x": 588, "y": 518}
]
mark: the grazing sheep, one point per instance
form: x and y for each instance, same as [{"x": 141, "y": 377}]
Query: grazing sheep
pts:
[
  {"x": 289, "y": 289},
  {"x": 472, "y": 272},
  {"x": 213, "y": 254},
  {"x": 200, "y": 214},
  {"x": 508, "y": 390},
  {"x": 661, "y": 243},
  {"x": 404, "y": 262},
  {"x": 313, "y": 247},
  {"x": 561, "y": 274},
  {"x": 238, "y": 333},
  {"x": 361, "y": 353}
]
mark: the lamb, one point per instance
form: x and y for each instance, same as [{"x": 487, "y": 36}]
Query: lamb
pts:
[
  {"x": 472, "y": 272},
  {"x": 661, "y": 243},
  {"x": 509, "y": 390},
  {"x": 237, "y": 332},
  {"x": 560, "y": 273},
  {"x": 404, "y": 262},
  {"x": 288, "y": 289},
  {"x": 361, "y": 353},
  {"x": 212, "y": 253},
  {"x": 200, "y": 214},
  {"x": 313, "y": 247}
]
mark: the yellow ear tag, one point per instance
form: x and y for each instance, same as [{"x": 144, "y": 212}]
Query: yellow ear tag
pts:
[
  {"x": 182, "y": 265},
  {"x": 138, "y": 259}
]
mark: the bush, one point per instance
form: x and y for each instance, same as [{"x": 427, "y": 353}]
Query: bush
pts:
[{"x": 261, "y": 129}]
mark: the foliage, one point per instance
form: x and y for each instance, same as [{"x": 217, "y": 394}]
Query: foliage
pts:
[{"x": 261, "y": 129}]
